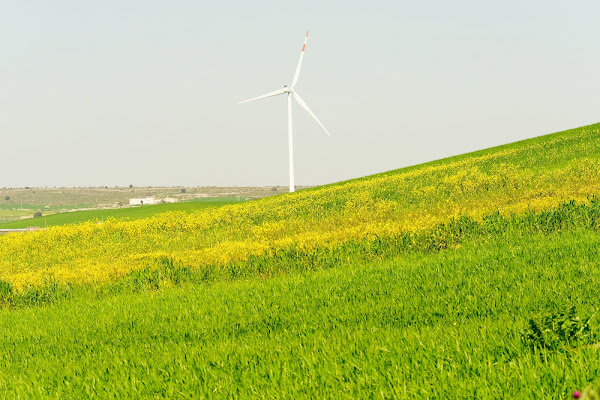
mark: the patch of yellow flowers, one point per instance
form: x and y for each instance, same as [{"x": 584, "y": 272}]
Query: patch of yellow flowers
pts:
[{"x": 533, "y": 175}]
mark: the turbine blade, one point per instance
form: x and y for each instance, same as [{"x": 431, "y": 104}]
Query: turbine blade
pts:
[
  {"x": 300, "y": 61},
  {"x": 275, "y": 93},
  {"x": 303, "y": 105}
]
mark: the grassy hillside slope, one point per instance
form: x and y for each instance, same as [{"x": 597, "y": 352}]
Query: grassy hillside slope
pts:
[
  {"x": 470, "y": 277},
  {"x": 531, "y": 175},
  {"x": 426, "y": 323}
]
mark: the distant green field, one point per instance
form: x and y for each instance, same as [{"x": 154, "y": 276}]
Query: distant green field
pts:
[
  {"x": 11, "y": 215},
  {"x": 132, "y": 213},
  {"x": 10, "y": 212}
]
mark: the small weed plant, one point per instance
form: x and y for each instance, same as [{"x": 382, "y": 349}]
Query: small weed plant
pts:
[{"x": 561, "y": 330}]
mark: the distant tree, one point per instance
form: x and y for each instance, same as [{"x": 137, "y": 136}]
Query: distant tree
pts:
[
  {"x": 274, "y": 189},
  {"x": 183, "y": 190},
  {"x": 130, "y": 186},
  {"x": 37, "y": 214},
  {"x": 7, "y": 198}
]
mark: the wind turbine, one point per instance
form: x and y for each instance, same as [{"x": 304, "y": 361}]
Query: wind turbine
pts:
[{"x": 291, "y": 92}]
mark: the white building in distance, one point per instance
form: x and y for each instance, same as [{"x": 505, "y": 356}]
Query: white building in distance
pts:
[{"x": 143, "y": 201}]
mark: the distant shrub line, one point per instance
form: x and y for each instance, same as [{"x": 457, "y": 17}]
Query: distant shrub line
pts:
[{"x": 168, "y": 273}]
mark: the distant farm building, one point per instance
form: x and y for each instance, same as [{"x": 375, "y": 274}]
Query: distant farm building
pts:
[{"x": 143, "y": 201}]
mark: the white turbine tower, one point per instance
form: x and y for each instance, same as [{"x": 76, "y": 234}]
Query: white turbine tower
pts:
[{"x": 291, "y": 92}]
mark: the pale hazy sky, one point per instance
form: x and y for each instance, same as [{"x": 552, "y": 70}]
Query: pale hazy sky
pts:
[{"x": 145, "y": 93}]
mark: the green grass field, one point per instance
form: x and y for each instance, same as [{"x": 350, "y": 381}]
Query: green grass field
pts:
[
  {"x": 493, "y": 294},
  {"x": 132, "y": 213},
  {"x": 11, "y": 212},
  {"x": 417, "y": 322}
]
